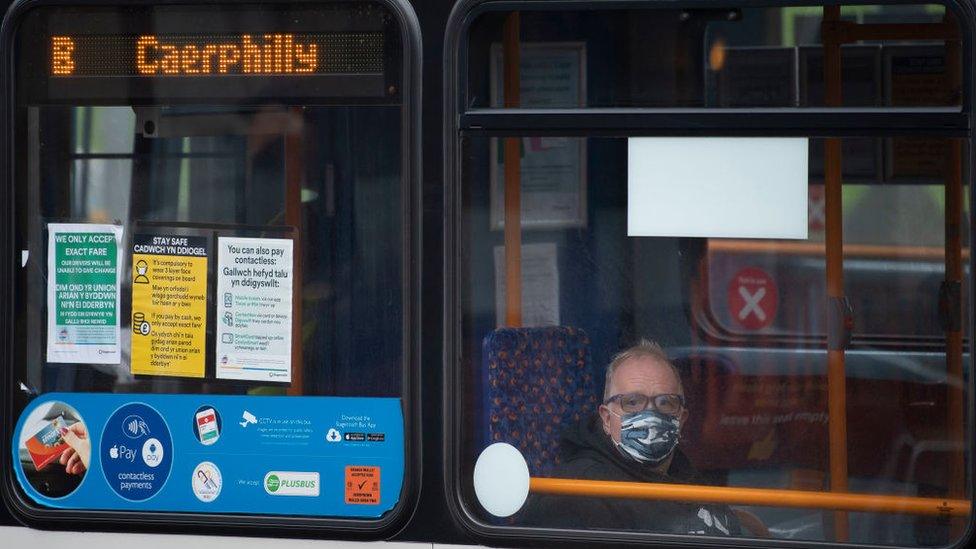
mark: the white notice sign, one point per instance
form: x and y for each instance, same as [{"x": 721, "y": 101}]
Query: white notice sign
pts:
[
  {"x": 254, "y": 309},
  {"x": 717, "y": 187},
  {"x": 540, "y": 285},
  {"x": 553, "y": 169}
]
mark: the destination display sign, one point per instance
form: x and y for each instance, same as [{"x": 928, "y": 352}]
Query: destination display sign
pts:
[{"x": 214, "y": 55}]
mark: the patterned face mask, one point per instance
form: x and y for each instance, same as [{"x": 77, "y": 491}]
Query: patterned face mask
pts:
[{"x": 648, "y": 436}]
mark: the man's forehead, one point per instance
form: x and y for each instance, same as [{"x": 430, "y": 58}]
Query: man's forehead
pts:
[{"x": 645, "y": 373}]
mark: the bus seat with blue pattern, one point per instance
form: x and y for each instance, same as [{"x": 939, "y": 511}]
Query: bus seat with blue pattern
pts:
[{"x": 538, "y": 382}]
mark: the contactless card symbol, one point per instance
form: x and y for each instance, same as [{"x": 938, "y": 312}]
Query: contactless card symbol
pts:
[{"x": 135, "y": 427}]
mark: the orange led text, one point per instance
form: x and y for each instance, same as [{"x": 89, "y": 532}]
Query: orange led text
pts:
[
  {"x": 269, "y": 54},
  {"x": 62, "y": 61}
]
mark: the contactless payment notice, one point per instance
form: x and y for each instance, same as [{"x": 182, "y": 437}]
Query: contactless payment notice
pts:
[
  {"x": 136, "y": 452},
  {"x": 254, "y": 309}
]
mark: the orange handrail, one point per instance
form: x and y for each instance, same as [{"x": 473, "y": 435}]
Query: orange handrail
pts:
[
  {"x": 834, "y": 244},
  {"x": 769, "y": 497}
]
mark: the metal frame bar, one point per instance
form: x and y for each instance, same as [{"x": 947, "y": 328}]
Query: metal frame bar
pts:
[
  {"x": 295, "y": 156},
  {"x": 806, "y": 122},
  {"x": 954, "y": 257}
]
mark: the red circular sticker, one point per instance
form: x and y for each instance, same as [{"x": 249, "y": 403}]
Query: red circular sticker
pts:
[{"x": 753, "y": 298}]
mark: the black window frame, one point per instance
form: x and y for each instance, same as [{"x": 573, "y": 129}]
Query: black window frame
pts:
[
  {"x": 461, "y": 121},
  {"x": 12, "y": 399}
]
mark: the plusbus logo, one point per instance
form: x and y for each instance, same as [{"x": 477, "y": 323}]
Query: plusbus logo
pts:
[
  {"x": 291, "y": 483},
  {"x": 272, "y": 483}
]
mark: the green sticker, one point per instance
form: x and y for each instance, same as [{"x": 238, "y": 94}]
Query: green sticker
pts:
[{"x": 83, "y": 293}]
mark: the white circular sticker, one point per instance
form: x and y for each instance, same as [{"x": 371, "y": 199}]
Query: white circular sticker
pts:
[
  {"x": 152, "y": 452},
  {"x": 501, "y": 479},
  {"x": 206, "y": 481}
]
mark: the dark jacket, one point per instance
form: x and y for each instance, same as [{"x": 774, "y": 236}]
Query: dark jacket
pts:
[{"x": 588, "y": 453}]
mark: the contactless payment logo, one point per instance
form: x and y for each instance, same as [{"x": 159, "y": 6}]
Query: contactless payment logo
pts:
[
  {"x": 291, "y": 483},
  {"x": 152, "y": 452},
  {"x": 136, "y": 452}
]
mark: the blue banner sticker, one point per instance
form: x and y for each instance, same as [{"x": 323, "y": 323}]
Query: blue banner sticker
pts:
[{"x": 264, "y": 455}]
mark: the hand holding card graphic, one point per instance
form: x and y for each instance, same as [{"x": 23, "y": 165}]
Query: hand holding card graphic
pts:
[{"x": 78, "y": 454}]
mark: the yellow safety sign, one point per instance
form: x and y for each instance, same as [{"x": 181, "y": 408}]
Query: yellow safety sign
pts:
[{"x": 169, "y": 305}]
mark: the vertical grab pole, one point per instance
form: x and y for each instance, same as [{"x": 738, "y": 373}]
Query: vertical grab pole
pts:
[
  {"x": 294, "y": 177},
  {"x": 513, "y": 175},
  {"x": 952, "y": 292},
  {"x": 838, "y": 311}
]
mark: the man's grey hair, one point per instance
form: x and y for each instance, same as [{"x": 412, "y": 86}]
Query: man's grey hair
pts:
[{"x": 643, "y": 348}]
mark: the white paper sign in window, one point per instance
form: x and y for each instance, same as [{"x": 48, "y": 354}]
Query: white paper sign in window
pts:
[{"x": 738, "y": 187}]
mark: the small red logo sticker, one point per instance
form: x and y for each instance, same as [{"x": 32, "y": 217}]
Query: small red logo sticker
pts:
[{"x": 753, "y": 298}]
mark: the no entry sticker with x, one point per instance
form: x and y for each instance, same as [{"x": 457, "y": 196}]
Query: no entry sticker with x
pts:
[{"x": 753, "y": 298}]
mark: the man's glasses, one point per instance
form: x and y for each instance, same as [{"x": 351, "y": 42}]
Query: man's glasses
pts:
[{"x": 630, "y": 403}]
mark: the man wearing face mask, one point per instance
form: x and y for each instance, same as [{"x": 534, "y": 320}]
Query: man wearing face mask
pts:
[{"x": 634, "y": 438}]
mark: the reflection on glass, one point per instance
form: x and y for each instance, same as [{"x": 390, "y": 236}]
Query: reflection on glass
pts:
[
  {"x": 212, "y": 168},
  {"x": 725, "y": 57}
]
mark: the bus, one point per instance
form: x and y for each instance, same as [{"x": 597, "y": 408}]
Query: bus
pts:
[{"x": 504, "y": 273}]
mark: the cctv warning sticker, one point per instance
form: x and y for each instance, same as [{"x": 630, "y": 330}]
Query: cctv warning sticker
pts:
[
  {"x": 362, "y": 485},
  {"x": 169, "y": 305}
]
